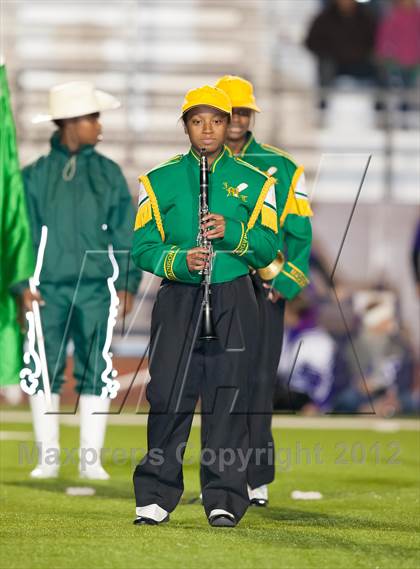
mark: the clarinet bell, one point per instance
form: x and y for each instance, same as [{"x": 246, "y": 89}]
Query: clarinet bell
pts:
[{"x": 208, "y": 331}]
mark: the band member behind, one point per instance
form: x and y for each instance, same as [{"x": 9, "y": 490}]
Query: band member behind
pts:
[
  {"x": 242, "y": 226},
  {"x": 82, "y": 197},
  {"x": 283, "y": 279}
]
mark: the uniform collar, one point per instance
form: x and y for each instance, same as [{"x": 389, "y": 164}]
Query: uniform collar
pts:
[
  {"x": 248, "y": 145},
  {"x": 219, "y": 161}
]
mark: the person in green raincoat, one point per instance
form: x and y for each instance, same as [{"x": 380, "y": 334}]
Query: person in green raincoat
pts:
[{"x": 83, "y": 199}]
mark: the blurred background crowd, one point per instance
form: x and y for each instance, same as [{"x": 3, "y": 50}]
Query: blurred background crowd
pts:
[{"x": 338, "y": 84}]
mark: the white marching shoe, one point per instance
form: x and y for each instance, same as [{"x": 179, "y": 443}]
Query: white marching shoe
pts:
[
  {"x": 93, "y": 419},
  {"x": 45, "y": 421},
  {"x": 151, "y": 515},
  {"x": 258, "y": 496}
]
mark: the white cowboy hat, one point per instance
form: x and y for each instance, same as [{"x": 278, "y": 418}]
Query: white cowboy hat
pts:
[{"x": 76, "y": 99}]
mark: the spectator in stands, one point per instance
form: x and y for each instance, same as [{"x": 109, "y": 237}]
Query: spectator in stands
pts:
[
  {"x": 342, "y": 38},
  {"x": 386, "y": 361},
  {"x": 306, "y": 370},
  {"x": 398, "y": 46}
]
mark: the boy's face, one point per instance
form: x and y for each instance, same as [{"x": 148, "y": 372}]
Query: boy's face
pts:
[
  {"x": 88, "y": 129},
  {"x": 206, "y": 128},
  {"x": 239, "y": 125}
]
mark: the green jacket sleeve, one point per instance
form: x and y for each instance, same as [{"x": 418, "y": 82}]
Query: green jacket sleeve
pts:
[
  {"x": 120, "y": 224},
  {"x": 257, "y": 240},
  {"x": 257, "y": 245},
  {"x": 150, "y": 252},
  {"x": 294, "y": 276},
  {"x": 296, "y": 226}
]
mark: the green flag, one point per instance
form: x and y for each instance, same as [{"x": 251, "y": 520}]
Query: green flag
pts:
[{"x": 16, "y": 250}]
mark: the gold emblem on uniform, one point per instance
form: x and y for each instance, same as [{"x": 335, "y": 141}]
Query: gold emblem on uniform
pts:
[{"x": 236, "y": 192}]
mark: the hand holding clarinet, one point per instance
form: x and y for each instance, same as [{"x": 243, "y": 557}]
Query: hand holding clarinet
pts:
[{"x": 198, "y": 256}]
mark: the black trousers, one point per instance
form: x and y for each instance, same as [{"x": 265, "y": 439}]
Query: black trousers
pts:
[
  {"x": 182, "y": 370},
  {"x": 262, "y": 385}
]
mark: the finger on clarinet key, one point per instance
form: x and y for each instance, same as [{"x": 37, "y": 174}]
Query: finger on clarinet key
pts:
[
  {"x": 198, "y": 251},
  {"x": 211, "y": 219},
  {"x": 202, "y": 254},
  {"x": 215, "y": 233},
  {"x": 211, "y": 223}
]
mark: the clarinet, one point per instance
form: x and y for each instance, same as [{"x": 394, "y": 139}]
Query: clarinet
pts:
[{"x": 208, "y": 331}]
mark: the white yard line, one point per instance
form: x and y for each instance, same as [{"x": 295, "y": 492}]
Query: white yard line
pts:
[{"x": 356, "y": 423}]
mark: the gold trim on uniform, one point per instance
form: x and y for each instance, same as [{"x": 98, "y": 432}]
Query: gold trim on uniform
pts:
[
  {"x": 292, "y": 278},
  {"x": 218, "y": 158},
  {"x": 242, "y": 246},
  {"x": 297, "y": 270},
  {"x": 144, "y": 214},
  {"x": 269, "y": 218},
  {"x": 154, "y": 204},
  {"x": 258, "y": 206},
  {"x": 295, "y": 205},
  {"x": 247, "y": 144},
  {"x": 213, "y": 166},
  {"x": 239, "y": 159},
  {"x": 168, "y": 263},
  {"x": 296, "y": 275}
]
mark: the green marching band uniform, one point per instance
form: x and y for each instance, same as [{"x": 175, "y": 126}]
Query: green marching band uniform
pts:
[
  {"x": 167, "y": 219},
  {"x": 294, "y": 241},
  {"x": 181, "y": 369},
  {"x": 295, "y": 235},
  {"x": 291, "y": 276}
]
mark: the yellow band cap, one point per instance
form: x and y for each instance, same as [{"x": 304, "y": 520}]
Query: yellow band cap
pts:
[
  {"x": 208, "y": 96},
  {"x": 240, "y": 92}
]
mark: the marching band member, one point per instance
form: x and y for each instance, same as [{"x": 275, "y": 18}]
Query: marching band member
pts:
[
  {"x": 83, "y": 199},
  {"x": 242, "y": 228},
  {"x": 283, "y": 279}
]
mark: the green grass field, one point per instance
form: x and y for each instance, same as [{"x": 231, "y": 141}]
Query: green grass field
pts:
[{"x": 368, "y": 517}]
